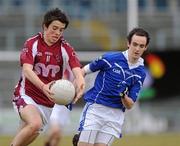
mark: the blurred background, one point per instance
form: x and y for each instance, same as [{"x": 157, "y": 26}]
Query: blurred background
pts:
[{"x": 97, "y": 26}]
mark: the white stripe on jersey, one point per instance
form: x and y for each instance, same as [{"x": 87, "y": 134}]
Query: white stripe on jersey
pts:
[
  {"x": 121, "y": 69},
  {"x": 141, "y": 84},
  {"x": 22, "y": 90},
  {"x": 102, "y": 86},
  {"x": 107, "y": 62},
  {"x": 34, "y": 48},
  {"x": 65, "y": 58},
  {"x": 66, "y": 66}
]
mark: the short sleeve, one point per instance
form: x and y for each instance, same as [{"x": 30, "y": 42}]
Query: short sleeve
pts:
[
  {"x": 100, "y": 63},
  {"x": 26, "y": 54},
  {"x": 135, "y": 89},
  {"x": 73, "y": 59}
]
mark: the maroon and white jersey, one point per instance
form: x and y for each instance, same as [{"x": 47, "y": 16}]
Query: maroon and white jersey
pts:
[{"x": 49, "y": 63}]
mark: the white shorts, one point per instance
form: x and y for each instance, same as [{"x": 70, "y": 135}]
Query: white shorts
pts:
[
  {"x": 60, "y": 115},
  {"x": 94, "y": 137},
  {"x": 44, "y": 111},
  {"x": 101, "y": 118}
]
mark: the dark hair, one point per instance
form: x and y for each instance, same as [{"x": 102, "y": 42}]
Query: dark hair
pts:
[
  {"x": 55, "y": 14},
  {"x": 138, "y": 32}
]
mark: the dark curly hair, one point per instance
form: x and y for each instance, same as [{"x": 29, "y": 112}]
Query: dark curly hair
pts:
[{"x": 55, "y": 14}]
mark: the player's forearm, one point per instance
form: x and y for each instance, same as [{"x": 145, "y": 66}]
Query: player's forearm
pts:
[
  {"x": 77, "y": 72},
  {"x": 79, "y": 79},
  {"x": 127, "y": 102},
  {"x": 31, "y": 76}
]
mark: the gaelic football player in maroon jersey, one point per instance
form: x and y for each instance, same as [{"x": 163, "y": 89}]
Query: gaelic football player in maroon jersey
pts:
[{"x": 44, "y": 58}]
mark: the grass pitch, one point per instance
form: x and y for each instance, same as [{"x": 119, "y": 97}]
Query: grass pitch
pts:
[{"x": 168, "y": 139}]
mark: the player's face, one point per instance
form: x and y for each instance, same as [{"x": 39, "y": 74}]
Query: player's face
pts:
[
  {"x": 53, "y": 32},
  {"x": 137, "y": 46}
]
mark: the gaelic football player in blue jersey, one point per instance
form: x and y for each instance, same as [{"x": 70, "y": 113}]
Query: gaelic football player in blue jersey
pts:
[{"x": 116, "y": 88}]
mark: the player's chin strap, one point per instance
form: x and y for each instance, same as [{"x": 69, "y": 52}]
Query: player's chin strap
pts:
[{"x": 69, "y": 106}]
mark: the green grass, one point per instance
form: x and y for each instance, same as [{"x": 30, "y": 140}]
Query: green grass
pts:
[{"x": 168, "y": 139}]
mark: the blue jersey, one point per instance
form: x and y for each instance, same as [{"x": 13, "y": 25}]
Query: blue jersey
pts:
[{"x": 115, "y": 74}]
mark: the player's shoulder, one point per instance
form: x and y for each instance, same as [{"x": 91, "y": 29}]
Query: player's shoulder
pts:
[
  {"x": 33, "y": 39},
  {"x": 66, "y": 44},
  {"x": 141, "y": 70},
  {"x": 113, "y": 55}
]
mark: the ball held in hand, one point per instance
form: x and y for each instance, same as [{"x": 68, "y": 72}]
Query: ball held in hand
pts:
[{"x": 63, "y": 90}]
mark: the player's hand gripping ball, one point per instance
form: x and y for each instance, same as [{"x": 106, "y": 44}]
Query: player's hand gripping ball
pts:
[{"x": 63, "y": 90}]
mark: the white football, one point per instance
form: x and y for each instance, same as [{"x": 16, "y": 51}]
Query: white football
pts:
[{"x": 63, "y": 90}]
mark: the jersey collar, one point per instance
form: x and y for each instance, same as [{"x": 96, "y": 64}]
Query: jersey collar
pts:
[{"x": 139, "y": 62}]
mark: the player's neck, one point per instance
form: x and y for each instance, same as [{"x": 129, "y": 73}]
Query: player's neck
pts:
[
  {"x": 132, "y": 60},
  {"x": 48, "y": 43}
]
